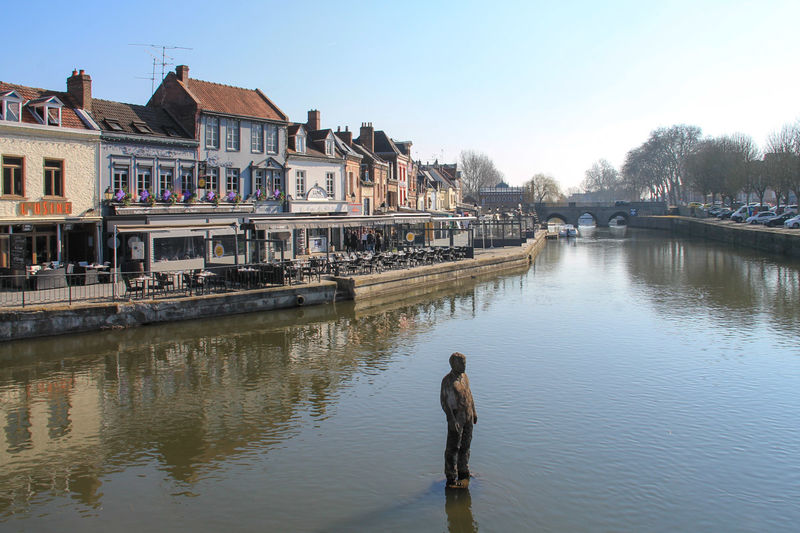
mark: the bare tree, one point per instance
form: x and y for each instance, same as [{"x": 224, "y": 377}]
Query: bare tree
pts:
[
  {"x": 781, "y": 161},
  {"x": 604, "y": 181},
  {"x": 477, "y": 171},
  {"x": 542, "y": 188}
]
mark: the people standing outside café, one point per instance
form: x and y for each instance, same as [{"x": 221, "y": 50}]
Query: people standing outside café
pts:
[
  {"x": 378, "y": 242},
  {"x": 364, "y": 241},
  {"x": 457, "y": 404}
]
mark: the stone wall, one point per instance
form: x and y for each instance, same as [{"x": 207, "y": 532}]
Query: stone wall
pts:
[
  {"x": 772, "y": 240},
  {"x": 28, "y": 323}
]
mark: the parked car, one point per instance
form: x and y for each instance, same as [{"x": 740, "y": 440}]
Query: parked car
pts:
[
  {"x": 790, "y": 209},
  {"x": 761, "y": 217},
  {"x": 793, "y": 222},
  {"x": 724, "y": 213},
  {"x": 778, "y": 220}
]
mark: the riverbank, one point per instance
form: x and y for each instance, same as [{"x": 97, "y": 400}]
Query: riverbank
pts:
[
  {"x": 78, "y": 318},
  {"x": 756, "y": 237}
]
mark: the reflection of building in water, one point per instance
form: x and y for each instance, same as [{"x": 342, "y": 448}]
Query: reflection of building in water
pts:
[
  {"x": 50, "y": 423},
  {"x": 188, "y": 395}
]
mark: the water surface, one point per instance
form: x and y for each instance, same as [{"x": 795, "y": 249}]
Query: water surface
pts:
[{"x": 624, "y": 383}]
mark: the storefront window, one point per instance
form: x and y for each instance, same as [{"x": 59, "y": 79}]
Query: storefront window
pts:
[
  {"x": 224, "y": 245},
  {"x": 177, "y": 248}
]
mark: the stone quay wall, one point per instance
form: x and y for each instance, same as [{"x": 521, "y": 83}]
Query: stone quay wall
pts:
[
  {"x": 52, "y": 320},
  {"x": 773, "y": 240}
]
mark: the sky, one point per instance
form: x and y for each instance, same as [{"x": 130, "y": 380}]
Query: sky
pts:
[{"x": 546, "y": 87}]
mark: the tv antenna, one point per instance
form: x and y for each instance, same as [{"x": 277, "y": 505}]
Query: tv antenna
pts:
[{"x": 164, "y": 61}]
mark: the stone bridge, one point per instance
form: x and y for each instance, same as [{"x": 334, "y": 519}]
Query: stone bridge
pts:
[{"x": 602, "y": 213}]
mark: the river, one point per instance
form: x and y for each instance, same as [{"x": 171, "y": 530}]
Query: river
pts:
[{"x": 623, "y": 383}]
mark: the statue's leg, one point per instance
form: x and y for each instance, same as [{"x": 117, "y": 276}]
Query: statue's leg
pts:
[
  {"x": 451, "y": 455},
  {"x": 463, "y": 451}
]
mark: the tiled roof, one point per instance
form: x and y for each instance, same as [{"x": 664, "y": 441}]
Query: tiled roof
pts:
[
  {"x": 219, "y": 98},
  {"x": 107, "y": 113},
  {"x": 365, "y": 152},
  {"x": 383, "y": 144},
  {"x": 69, "y": 118}
]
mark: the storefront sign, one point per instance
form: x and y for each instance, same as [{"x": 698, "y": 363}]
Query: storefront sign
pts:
[
  {"x": 354, "y": 209},
  {"x": 45, "y": 208}
]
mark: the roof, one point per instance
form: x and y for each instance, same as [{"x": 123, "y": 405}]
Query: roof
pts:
[
  {"x": 385, "y": 145},
  {"x": 229, "y": 100},
  {"x": 69, "y": 116},
  {"x": 118, "y": 117},
  {"x": 359, "y": 148}
]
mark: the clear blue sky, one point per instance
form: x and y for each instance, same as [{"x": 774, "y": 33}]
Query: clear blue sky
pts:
[{"x": 537, "y": 86}]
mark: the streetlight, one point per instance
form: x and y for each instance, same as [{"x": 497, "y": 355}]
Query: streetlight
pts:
[{"x": 108, "y": 195}]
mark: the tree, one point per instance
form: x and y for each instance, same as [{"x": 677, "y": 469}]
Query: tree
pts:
[
  {"x": 542, "y": 188},
  {"x": 477, "y": 171},
  {"x": 660, "y": 161},
  {"x": 781, "y": 161},
  {"x": 603, "y": 181}
]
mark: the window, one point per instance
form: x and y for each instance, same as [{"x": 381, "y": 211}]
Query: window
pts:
[
  {"x": 212, "y": 179},
  {"x": 47, "y": 110},
  {"x": 350, "y": 182},
  {"x": 232, "y": 179},
  {"x": 11, "y": 108},
  {"x": 300, "y": 144},
  {"x": 13, "y": 180},
  {"x": 300, "y": 183},
  {"x": 272, "y": 138},
  {"x": 120, "y": 174},
  {"x": 165, "y": 179},
  {"x": 144, "y": 178},
  {"x": 258, "y": 180},
  {"x": 232, "y": 135},
  {"x": 256, "y": 138},
  {"x": 187, "y": 178},
  {"x": 329, "y": 184},
  {"x": 212, "y": 132},
  {"x": 113, "y": 124},
  {"x": 53, "y": 177},
  {"x": 276, "y": 178},
  {"x": 141, "y": 127},
  {"x": 329, "y": 146}
]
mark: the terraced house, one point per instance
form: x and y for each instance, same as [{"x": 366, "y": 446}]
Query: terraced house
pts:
[{"x": 49, "y": 197}]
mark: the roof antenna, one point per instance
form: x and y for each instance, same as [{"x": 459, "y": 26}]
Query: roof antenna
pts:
[{"x": 163, "y": 62}]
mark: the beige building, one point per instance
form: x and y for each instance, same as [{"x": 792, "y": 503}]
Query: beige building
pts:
[{"x": 49, "y": 201}]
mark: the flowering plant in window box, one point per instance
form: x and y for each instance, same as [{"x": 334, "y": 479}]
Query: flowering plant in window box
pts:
[
  {"x": 188, "y": 197},
  {"x": 258, "y": 194},
  {"x": 277, "y": 195},
  {"x": 145, "y": 197},
  {"x": 210, "y": 196},
  {"x": 123, "y": 196},
  {"x": 233, "y": 197},
  {"x": 169, "y": 196}
]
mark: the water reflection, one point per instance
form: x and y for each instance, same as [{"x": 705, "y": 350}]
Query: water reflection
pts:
[
  {"x": 458, "y": 507},
  {"x": 189, "y": 396}
]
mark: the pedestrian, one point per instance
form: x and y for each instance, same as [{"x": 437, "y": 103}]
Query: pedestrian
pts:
[
  {"x": 370, "y": 241},
  {"x": 378, "y": 242},
  {"x": 458, "y": 406}
]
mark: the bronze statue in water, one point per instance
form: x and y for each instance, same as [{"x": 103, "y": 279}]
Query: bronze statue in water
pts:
[{"x": 458, "y": 406}]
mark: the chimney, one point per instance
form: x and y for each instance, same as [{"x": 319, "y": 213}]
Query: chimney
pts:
[
  {"x": 367, "y": 137},
  {"x": 313, "y": 120},
  {"x": 346, "y": 135},
  {"x": 182, "y": 72},
  {"x": 79, "y": 87}
]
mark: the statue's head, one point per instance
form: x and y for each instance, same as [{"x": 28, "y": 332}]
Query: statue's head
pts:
[{"x": 458, "y": 362}]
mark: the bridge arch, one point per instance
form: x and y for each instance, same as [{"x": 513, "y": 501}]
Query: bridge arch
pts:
[
  {"x": 554, "y": 215},
  {"x": 590, "y": 213},
  {"x": 618, "y": 214}
]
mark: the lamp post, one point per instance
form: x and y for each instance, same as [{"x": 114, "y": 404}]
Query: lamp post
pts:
[{"x": 108, "y": 195}]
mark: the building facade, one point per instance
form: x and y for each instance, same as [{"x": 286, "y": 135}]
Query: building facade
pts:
[{"x": 49, "y": 198}]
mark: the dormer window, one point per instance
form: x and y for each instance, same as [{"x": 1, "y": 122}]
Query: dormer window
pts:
[
  {"x": 11, "y": 108},
  {"x": 141, "y": 127},
  {"x": 113, "y": 124},
  {"x": 300, "y": 143},
  {"x": 47, "y": 110},
  {"x": 329, "y": 146}
]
